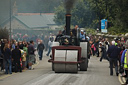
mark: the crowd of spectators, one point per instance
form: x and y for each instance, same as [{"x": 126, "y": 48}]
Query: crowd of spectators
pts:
[
  {"x": 114, "y": 51},
  {"x": 19, "y": 55},
  {"x": 15, "y": 56}
]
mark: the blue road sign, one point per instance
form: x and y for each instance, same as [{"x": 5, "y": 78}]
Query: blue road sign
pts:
[{"x": 104, "y": 23}]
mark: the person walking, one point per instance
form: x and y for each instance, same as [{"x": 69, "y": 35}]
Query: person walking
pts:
[
  {"x": 16, "y": 56},
  {"x": 50, "y": 46},
  {"x": 104, "y": 53},
  {"x": 31, "y": 54},
  {"x": 7, "y": 57},
  {"x": 40, "y": 49},
  {"x": 113, "y": 57}
]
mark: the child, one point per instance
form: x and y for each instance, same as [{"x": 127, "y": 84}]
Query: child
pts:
[{"x": 24, "y": 60}]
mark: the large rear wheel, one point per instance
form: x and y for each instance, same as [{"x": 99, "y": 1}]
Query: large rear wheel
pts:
[
  {"x": 84, "y": 65},
  {"x": 52, "y": 66}
]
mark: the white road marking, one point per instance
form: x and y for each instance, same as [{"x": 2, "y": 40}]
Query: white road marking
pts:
[{"x": 120, "y": 80}]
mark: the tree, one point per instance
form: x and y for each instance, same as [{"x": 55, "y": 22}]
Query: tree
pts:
[
  {"x": 4, "y": 34},
  {"x": 81, "y": 14},
  {"x": 88, "y": 13},
  {"x": 60, "y": 15}
]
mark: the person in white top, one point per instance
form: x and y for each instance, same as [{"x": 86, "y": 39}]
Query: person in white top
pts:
[{"x": 50, "y": 46}]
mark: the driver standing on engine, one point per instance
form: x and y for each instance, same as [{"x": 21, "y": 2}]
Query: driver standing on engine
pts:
[
  {"x": 82, "y": 35},
  {"x": 74, "y": 31}
]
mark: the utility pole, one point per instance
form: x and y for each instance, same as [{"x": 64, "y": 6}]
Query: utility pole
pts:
[
  {"x": 10, "y": 19},
  {"x": 106, "y": 2}
]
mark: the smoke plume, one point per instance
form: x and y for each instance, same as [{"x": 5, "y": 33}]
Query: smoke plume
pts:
[{"x": 69, "y": 5}]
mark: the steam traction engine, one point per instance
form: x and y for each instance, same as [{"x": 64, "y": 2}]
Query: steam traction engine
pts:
[{"x": 69, "y": 53}]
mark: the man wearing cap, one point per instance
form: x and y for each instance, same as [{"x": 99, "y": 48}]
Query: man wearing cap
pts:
[
  {"x": 113, "y": 57},
  {"x": 82, "y": 35}
]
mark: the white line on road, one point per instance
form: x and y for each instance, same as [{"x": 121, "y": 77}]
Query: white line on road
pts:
[{"x": 120, "y": 79}]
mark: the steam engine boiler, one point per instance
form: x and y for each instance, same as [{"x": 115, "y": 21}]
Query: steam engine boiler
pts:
[{"x": 69, "y": 53}]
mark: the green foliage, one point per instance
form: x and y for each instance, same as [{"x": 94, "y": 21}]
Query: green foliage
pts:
[
  {"x": 116, "y": 30},
  {"x": 4, "y": 34},
  {"x": 88, "y": 13},
  {"x": 60, "y": 15},
  {"x": 90, "y": 31},
  {"x": 82, "y": 15}
]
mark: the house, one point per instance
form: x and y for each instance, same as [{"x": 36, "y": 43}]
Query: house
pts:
[{"x": 29, "y": 22}]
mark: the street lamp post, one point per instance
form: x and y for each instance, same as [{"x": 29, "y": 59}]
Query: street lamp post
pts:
[{"x": 10, "y": 20}]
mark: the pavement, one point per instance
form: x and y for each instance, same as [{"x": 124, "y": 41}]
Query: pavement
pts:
[
  {"x": 2, "y": 75},
  {"x": 97, "y": 74}
]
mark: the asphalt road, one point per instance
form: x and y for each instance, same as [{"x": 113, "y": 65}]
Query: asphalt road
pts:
[{"x": 97, "y": 74}]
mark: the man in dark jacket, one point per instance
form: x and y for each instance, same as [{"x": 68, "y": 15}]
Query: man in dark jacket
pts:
[
  {"x": 16, "y": 56},
  {"x": 104, "y": 54},
  {"x": 59, "y": 36},
  {"x": 74, "y": 31},
  {"x": 40, "y": 49},
  {"x": 31, "y": 54},
  {"x": 113, "y": 57},
  {"x": 64, "y": 31}
]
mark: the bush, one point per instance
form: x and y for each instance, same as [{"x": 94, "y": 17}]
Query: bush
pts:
[
  {"x": 4, "y": 34},
  {"x": 90, "y": 31},
  {"x": 116, "y": 30}
]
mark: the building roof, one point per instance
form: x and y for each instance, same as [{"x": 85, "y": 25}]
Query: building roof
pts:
[
  {"x": 23, "y": 14},
  {"x": 36, "y": 21}
]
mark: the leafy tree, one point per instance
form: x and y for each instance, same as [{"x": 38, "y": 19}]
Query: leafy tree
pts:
[
  {"x": 4, "y": 34},
  {"x": 88, "y": 13},
  {"x": 60, "y": 15},
  {"x": 81, "y": 15}
]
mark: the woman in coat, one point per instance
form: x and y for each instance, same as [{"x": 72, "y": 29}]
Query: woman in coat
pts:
[
  {"x": 16, "y": 55},
  {"x": 7, "y": 57}
]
